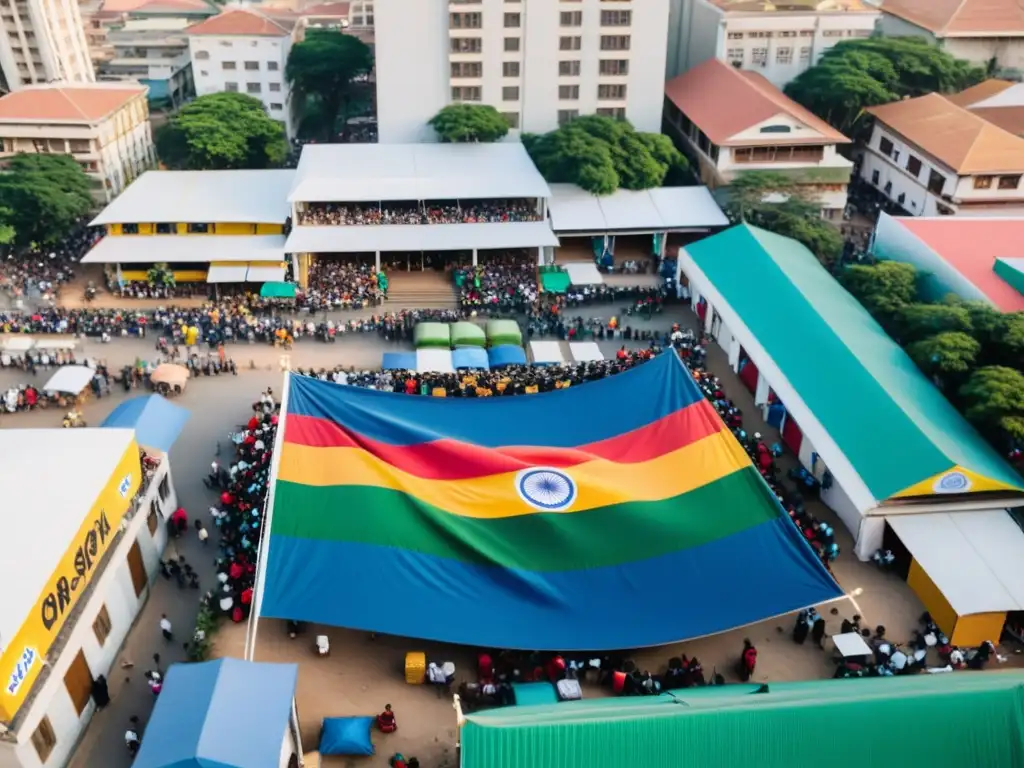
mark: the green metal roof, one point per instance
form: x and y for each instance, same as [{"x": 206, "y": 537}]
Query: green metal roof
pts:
[
  {"x": 1012, "y": 271},
  {"x": 852, "y": 723},
  {"x": 891, "y": 423}
]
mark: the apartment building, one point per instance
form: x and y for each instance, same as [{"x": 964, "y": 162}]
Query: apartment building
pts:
[
  {"x": 777, "y": 40},
  {"x": 246, "y": 50},
  {"x": 352, "y": 18},
  {"x": 42, "y": 41},
  {"x": 934, "y": 158},
  {"x": 104, "y": 126},
  {"x": 540, "y": 63},
  {"x": 730, "y": 122}
]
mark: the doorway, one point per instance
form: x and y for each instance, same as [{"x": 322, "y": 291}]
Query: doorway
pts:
[
  {"x": 78, "y": 681},
  {"x": 138, "y": 570}
]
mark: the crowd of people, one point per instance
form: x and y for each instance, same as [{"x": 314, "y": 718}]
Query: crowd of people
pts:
[
  {"x": 335, "y": 285},
  {"x": 506, "y": 284},
  {"x": 39, "y": 272},
  {"x": 460, "y": 212}
]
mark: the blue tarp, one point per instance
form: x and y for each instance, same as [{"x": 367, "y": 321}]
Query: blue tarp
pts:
[
  {"x": 470, "y": 357},
  {"x": 399, "y": 361},
  {"x": 506, "y": 354},
  {"x": 226, "y": 713},
  {"x": 157, "y": 422},
  {"x": 346, "y": 736}
]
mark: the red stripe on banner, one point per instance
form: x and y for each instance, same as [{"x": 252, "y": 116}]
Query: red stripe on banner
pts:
[{"x": 454, "y": 460}]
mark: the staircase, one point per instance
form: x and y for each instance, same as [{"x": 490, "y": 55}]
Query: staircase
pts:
[{"x": 420, "y": 290}]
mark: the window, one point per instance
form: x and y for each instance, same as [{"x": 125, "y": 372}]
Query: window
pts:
[
  {"x": 759, "y": 56},
  {"x": 252, "y": 66},
  {"x": 567, "y": 115},
  {"x": 465, "y": 20},
  {"x": 571, "y": 18},
  {"x": 806, "y": 33},
  {"x": 885, "y": 146},
  {"x": 253, "y": 88},
  {"x": 913, "y": 166},
  {"x": 832, "y": 33},
  {"x": 617, "y": 113},
  {"x": 510, "y": 93},
  {"x": 466, "y": 93},
  {"x": 1009, "y": 182},
  {"x": 569, "y": 43},
  {"x": 784, "y": 55},
  {"x": 510, "y": 69},
  {"x": 165, "y": 485},
  {"x": 202, "y": 55},
  {"x": 228, "y": 65},
  {"x": 512, "y": 21},
  {"x": 936, "y": 181},
  {"x": 466, "y": 45},
  {"x": 101, "y": 626},
  {"x": 787, "y": 34},
  {"x": 44, "y": 739},
  {"x": 734, "y": 55},
  {"x": 614, "y": 42},
  {"x": 276, "y": 107},
  {"x": 512, "y": 118},
  {"x": 275, "y": 87},
  {"x": 511, "y": 44},
  {"x": 616, "y": 18},
  {"x": 613, "y": 67},
  {"x": 735, "y": 36},
  {"x": 225, "y": 43},
  {"x": 568, "y": 92},
  {"x": 231, "y": 87},
  {"x": 569, "y": 68},
  {"x": 759, "y": 35},
  {"x": 153, "y": 520},
  {"x": 983, "y": 182},
  {"x": 271, "y": 66},
  {"x": 805, "y": 54},
  {"x": 203, "y": 72},
  {"x": 874, "y": 178},
  {"x": 611, "y": 92},
  {"x": 467, "y": 69}
]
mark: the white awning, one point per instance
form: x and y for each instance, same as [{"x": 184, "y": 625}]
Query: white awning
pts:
[
  {"x": 976, "y": 559},
  {"x": 181, "y": 249},
  {"x": 434, "y": 361},
  {"x": 583, "y": 273},
  {"x": 420, "y": 237},
  {"x": 546, "y": 352},
  {"x": 585, "y": 351},
  {"x": 66, "y": 342},
  {"x": 265, "y": 273},
  {"x": 225, "y": 273},
  {"x": 18, "y": 343},
  {"x": 661, "y": 209},
  {"x": 70, "y": 379}
]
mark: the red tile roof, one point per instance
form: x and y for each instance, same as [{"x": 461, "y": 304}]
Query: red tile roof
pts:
[
  {"x": 333, "y": 10},
  {"x": 971, "y": 246},
  {"x": 185, "y": 6},
  {"x": 78, "y": 103},
  {"x": 961, "y": 18},
  {"x": 246, "y": 22}
]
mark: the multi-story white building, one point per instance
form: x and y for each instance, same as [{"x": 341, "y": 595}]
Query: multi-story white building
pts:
[
  {"x": 731, "y": 122},
  {"x": 104, "y": 126},
  {"x": 245, "y": 50},
  {"x": 932, "y": 158},
  {"x": 42, "y": 41},
  {"x": 540, "y": 63},
  {"x": 776, "y": 40}
]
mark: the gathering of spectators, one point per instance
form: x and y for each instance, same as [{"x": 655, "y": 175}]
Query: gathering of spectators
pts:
[
  {"x": 40, "y": 272},
  {"x": 455, "y": 212},
  {"x": 335, "y": 284},
  {"x": 505, "y": 283}
]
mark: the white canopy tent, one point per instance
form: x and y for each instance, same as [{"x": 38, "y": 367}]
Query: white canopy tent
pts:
[
  {"x": 546, "y": 352},
  {"x": 70, "y": 379},
  {"x": 265, "y": 273},
  {"x": 585, "y": 351},
  {"x": 227, "y": 273},
  {"x": 191, "y": 249},
  {"x": 420, "y": 237},
  {"x": 434, "y": 361},
  {"x": 18, "y": 344},
  {"x": 65, "y": 342},
  {"x": 583, "y": 273},
  {"x": 663, "y": 209}
]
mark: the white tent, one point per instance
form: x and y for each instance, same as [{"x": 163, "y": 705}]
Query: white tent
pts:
[
  {"x": 18, "y": 344},
  {"x": 546, "y": 352},
  {"x": 585, "y": 351},
  {"x": 71, "y": 379},
  {"x": 583, "y": 273},
  {"x": 63, "y": 342},
  {"x": 434, "y": 361}
]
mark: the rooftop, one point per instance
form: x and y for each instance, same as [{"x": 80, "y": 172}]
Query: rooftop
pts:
[
  {"x": 420, "y": 237},
  {"x": 958, "y": 137},
  {"x": 248, "y": 197},
  {"x": 724, "y": 101},
  {"x": 246, "y": 22},
  {"x": 190, "y": 249},
  {"x": 51, "y": 479},
  {"x": 962, "y": 18},
  {"x": 333, "y": 10},
  {"x": 650, "y": 210},
  {"x": 795, "y": 6},
  {"x": 67, "y": 104},
  {"x": 191, "y": 7},
  {"x": 1000, "y": 102},
  {"x": 367, "y": 172}
]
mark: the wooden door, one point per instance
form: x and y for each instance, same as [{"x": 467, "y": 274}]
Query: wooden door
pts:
[
  {"x": 139, "y": 579},
  {"x": 78, "y": 681}
]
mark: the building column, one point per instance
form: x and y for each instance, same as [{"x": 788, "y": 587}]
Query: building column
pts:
[
  {"x": 376, "y": 261},
  {"x": 709, "y": 318},
  {"x": 761, "y": 392},
  {"x": 474, "y": 257}
]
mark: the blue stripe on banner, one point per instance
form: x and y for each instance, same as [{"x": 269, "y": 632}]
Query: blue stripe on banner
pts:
[
  {"x": 762, "y": 572},
  {"x": 564, "y": 418}
]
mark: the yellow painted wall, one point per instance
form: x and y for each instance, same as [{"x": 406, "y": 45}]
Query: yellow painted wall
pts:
[
  {"x": 940, "y": 609},
  {"x": 113, "y": 229},
  {"x": 182, "y": 228},
  {"x": 134, "y": 276},
  {"x": 302, "y": 269},
  {"x": 190, "y": 276},
  {"x": 21, "y": 661},
  {"x": 146, "y": 229},
  {"x": 269, "y": 229},
  {"x": 973, "y": 630},
  {"x": 223, "y": 228},
  {"x": 234, "y": 229}
]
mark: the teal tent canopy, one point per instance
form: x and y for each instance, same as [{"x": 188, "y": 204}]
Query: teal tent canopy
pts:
[{"x": 278, "y": 291}]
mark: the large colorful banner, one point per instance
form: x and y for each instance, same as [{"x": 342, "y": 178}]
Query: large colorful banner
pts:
[{"x": 618, "y": 514}]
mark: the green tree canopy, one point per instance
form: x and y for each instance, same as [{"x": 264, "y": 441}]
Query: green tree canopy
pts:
[
  {"x": 601, "y": 155},
  {"x": 328, "y": 72},
  {"x": 918, "y": 321},
  {"x": 994, "y": 398},
  {"x": 469, "y": 123},
  {"x": 222, "y": 131},
  {"x": 855, "y": 74},
  {"x": 945, "y": 355},
  {"x": 42, "y": 197},
  {"x": 883, "y": 288}
]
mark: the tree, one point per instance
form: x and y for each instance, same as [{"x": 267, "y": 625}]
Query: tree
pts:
[
  {"x": 918, "y": 321},
  {"x": 328, "y": 72},
  {"x": 883, "y": 288},
  {"x": 7, "y": 231},
  {"x": 42, "y": 197},
  {"x": 469, "y": 123},
  {"x": 994, "y": 397},
  {"x": 601, "y": 155},
  {"x": 946, "y": 355},
  {"x": 222, "y": 131},
  {"x": 160, "y": 275},
  {"x": 856, "y": 74}
]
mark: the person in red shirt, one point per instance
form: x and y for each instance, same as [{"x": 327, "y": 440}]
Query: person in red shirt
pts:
[
  {"x": 180, "y": 520},
  {"x": 386, "y": 720},
  {"x": 748, "y": 661}
]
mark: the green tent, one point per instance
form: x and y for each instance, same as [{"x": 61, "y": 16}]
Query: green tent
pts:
[
  {"x": 554, "y": 281},
  {"x": 435, "y": 335},
  {"x": 466, "y": 334},
  {"x": 504, "y": 332},
  {"x": 278, "y": 291}
]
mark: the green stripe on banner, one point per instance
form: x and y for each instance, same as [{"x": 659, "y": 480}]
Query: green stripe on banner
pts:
[{"x": 607, "y": 536}]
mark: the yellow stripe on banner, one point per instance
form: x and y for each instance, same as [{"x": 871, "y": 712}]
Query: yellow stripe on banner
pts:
[
  {"x": 955, "y": 480},
  {"x": 599, "y": 483}
]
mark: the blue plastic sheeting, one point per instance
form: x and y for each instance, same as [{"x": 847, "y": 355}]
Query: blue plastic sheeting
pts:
[
  {"x": 506, "y": 354},
  {"x": 532, "y": 694},
  {"x": 398, "y": 361},
  {"x": 157, "y": 422},
  {"x": 346, "y": 736},
  {"x": 470, "y": 357},
  {"x": 226, "y": 713}
]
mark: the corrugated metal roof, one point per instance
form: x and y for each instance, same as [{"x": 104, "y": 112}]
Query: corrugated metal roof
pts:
[{"x": 420, "y": 237}]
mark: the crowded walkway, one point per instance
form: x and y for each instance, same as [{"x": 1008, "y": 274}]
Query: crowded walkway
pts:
[{"x": 456, "y": 212}]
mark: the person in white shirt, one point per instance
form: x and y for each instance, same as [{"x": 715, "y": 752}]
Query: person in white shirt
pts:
[{"x": 165, "y": 627}]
